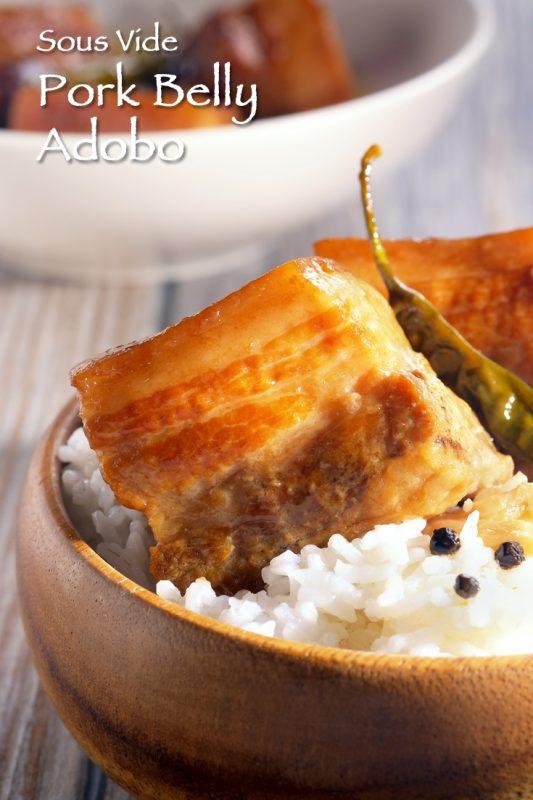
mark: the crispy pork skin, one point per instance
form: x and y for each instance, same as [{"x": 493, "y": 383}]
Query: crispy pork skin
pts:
[{"x": 293, "y": 409}]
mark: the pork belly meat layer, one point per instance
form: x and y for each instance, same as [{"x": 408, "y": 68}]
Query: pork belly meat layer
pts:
[{"x": 293, "y": 409}]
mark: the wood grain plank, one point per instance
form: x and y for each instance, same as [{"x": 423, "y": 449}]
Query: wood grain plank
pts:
[{"x": 49, "y": 328}]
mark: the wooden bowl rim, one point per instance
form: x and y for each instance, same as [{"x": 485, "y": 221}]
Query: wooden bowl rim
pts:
[{"x": 333, "y": 658}]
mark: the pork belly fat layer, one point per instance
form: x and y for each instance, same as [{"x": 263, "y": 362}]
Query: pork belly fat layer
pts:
[
  {"x": 293, "y": 409},
  {"x": 483, "y": 286},
  {"x": 504, "y": 516}
]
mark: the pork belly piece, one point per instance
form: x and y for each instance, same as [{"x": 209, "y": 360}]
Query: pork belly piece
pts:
[
  {"x": 26, "y": 114},
  {"x": 8, "y": 84},
  {"x": 291, "y": 50},
  {"x": 20, "y": 26},
  {"x": 293, "y": 409},
  {"x": 505, "y": 516},
  {"x": 483, "y": 286}
]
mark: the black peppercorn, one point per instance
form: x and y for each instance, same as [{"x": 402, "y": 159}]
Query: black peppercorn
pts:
[
  {"x": 466, "y": 587},
  {"x": 509, "y": 555},
  {"x": 444, "y": 541}
]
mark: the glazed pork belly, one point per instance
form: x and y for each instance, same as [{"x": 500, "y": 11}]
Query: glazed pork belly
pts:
[
  {"x": 293, "y": 409},
  {"x": 291, "y": 50},
  {"x": 483, "y": 286}
]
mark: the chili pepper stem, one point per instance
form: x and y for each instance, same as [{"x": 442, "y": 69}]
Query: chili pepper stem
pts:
[{"x": 378, "y": 250}]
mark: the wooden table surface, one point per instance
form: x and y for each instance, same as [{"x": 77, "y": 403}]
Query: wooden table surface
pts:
[{"x": 476, "y": 177}]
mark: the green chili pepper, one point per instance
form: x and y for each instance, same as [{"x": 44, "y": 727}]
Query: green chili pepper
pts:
[{"x": 503, "y": 401}]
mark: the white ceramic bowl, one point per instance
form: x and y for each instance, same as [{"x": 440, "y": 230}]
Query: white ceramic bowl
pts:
[{"x": 240, "y": 186}]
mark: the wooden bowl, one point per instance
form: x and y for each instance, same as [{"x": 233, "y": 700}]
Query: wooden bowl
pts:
[{"x": 174, "y": 705}]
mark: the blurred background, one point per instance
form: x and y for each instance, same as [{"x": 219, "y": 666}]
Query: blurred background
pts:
[
  {"x": 92, "y": 256},
  {"x": 331, "y": 78}
]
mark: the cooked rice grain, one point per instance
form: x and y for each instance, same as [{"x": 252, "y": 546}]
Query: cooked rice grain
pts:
[{"x": 383, "y": 592}]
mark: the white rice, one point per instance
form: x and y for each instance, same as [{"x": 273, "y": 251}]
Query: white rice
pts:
[{"x": 384, "y": 592}]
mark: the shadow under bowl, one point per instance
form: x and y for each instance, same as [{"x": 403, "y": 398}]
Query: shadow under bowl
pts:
[{"x": 174, "y": 705}]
